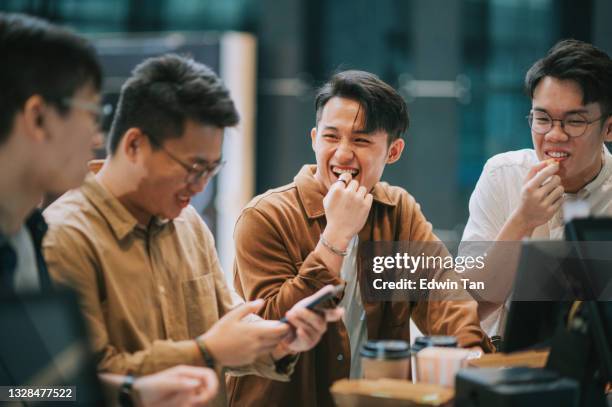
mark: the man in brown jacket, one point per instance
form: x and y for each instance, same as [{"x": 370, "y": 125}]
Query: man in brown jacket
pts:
[{"x": 307, "y": 234}]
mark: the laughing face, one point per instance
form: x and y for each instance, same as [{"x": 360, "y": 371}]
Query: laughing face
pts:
[
  {"x": 164, "y": 191},
  {"x": 579, "y": 158},
  {"x": 341, "y": 145}
]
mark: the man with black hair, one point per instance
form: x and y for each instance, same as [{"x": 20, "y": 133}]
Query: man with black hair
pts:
[
  {"x": 520, "y": 193},
  {"x": 308, "y": 234},
  {"x": 49, "y": 116},
  {"x": 49, "y": 113},
  {"x": 143, "y": 260}
]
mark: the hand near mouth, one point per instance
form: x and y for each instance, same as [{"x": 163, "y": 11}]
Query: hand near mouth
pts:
[
  {"x": 541, "y": 196},
  {"x": 347, "y": 205}
]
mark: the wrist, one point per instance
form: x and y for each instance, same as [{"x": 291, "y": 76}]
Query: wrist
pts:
[
  {"x": 208, "y": 355},
  {"x": 127, "y": 396},
  {"x": 521, "y": 225},
  {"x": 335, "y": 239}
]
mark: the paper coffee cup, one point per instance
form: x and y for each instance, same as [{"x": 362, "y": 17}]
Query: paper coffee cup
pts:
[{"x": 385, "y": 360}]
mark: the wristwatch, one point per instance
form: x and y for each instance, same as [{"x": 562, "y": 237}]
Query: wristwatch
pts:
[
  {"x": 125, "y": 392},
  {"x": 209, "y": 361}
]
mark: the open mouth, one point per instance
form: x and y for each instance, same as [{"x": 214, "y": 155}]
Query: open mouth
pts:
[
  {"x": 338, "y": 170},
  {"x": 557, "y": 155}
]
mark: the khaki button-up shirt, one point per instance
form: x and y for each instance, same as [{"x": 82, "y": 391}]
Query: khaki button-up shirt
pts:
[{"x": 146, "y": 292}]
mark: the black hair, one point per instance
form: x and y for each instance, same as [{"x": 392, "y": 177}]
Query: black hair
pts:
[
  {"x": 583, "y": 63},
  {"x": 384, "y": 108},
  {"x": 39, "y": 58},
  {"x": 165, "y": 91}
]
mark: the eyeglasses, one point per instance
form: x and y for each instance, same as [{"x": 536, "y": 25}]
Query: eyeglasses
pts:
[
  {"x": 195, "y": 172},
  {"x": 100, "y": 113},
  {"x": 574, "y": 124}
]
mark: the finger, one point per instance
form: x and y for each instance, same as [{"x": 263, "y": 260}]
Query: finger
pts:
[
  {"x": 545, "y": 173},
  {"x": 243, "y": 310},
  {"x": 556, "y": 204},
  {"x": 304, "y": 301},
  {"x": 264, "y": 349},
  {"x": 549, "y": 186},
  {"x": 368, "y": 200},
  {"x": 535, "y": 169},
  {"x": 333, "y": 315},
  {"x": 270, "y": 331},
  {"x": 352, "y": 186},
  {"x": 306, "y": 319},
  {"x": 308, "y": 336},
  {"x": 207, "y": 389},
  {"x": 362, "y": 191},
  {"x": 203, "y": 397},
  {"x": 203, "y": 375},
  {"x": 346, "y": 178},
  {"x": 554, "y": 195}
]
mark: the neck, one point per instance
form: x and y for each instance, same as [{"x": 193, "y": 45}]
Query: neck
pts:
[
  {"x": 586, "y": 178},
  {"x": 113, "y": 177},
  {"x": 19, "y": 191}
]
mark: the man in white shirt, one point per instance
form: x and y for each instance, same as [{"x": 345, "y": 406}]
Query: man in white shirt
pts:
[{"x": 520, "y": 193}]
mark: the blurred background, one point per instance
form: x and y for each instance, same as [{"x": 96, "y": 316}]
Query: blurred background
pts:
[{"x": 460, "y": 65}]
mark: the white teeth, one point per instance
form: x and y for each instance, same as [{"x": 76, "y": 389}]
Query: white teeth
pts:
[
  {"x": 343, "y": 171},
  {"x": 557, "y": 154}
]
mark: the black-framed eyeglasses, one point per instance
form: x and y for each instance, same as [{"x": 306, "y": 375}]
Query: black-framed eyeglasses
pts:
[
  {"x": 100, "y": 112},
  {"x": 195, "y": 172},
  {"x": 574, "y": 124}
]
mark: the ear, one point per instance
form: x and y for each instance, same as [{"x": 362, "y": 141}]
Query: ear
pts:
[
  {"x": 395, "y": 150},
  {"x": 607, "y": 129},
  {"x": 134, "y": 143},
  {"x": 313, "y": 137},
  {"x": 33, "y": 116}
]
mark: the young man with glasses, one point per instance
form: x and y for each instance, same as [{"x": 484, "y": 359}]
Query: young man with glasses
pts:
[
  {"x": 520, "y": 193},
  {"x": 143, "y": 260}
]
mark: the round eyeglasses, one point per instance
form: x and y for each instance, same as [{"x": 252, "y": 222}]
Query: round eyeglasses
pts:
[
  {"x": 196, "y": 171},
  {"x": 574, "y": 124}
]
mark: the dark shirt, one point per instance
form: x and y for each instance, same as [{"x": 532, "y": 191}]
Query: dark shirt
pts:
[{"x": 37, "y": 227}]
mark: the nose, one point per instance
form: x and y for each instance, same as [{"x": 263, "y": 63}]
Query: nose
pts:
[
  {"x": 556, "y": 133},
  {"x": 199, "y": 186},
  {"x": 97, "y": 140},
  {"x": 344, "y": 153}
]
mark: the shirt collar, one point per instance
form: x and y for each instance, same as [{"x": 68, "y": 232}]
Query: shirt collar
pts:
[
  {"x": 311, "y": 192},
  {"x": 118, "y": 217}
]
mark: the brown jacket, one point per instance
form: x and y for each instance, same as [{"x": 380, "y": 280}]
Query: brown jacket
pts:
[{"x": 275, "y": 237}]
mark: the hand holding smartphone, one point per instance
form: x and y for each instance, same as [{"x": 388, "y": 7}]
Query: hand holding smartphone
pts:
[{"x": 321, "y": 300}]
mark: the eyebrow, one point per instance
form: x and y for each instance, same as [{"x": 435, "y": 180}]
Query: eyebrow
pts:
[
  {"x": 354, "y": 131},
  {"x": 539, "y": 109},
  {"x": 203, "y": 161}
]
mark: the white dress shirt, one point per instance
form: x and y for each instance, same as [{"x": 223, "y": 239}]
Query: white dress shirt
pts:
[{"x": 497, "y": 195}]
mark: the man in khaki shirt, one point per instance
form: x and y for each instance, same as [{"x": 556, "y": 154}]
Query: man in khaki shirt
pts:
[{"x": 143, "y": 260}]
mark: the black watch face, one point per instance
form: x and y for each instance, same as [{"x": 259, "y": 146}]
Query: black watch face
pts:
[{"x": 125, "y": 398}]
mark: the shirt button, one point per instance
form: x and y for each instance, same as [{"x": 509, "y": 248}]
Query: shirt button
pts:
[{"x": 339, "y": 358}]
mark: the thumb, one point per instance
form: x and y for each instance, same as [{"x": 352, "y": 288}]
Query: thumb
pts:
[{"x": 245, "y": 309}]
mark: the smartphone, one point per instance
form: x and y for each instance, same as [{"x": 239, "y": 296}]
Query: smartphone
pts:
[{"x": 314, "y": 304}]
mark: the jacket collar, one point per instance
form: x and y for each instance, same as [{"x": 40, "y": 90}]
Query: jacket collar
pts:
[{"x": 311, "y": 192}]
